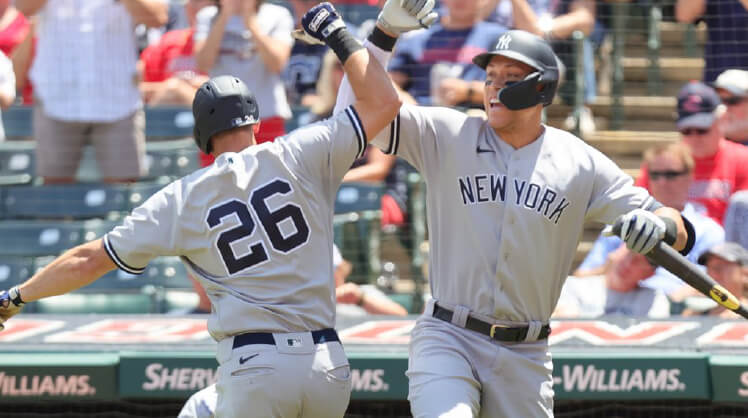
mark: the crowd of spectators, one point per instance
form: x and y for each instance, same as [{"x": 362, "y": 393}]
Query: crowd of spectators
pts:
[{"x": 95, "y": 65}]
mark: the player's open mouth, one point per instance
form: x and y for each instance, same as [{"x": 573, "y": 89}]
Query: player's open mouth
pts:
[{"x": 495, "y": 104}]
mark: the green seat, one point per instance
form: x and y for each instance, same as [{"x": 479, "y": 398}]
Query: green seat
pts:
[
  {"x": 404, "y": 299},
  {"x": 168, "y": 122},
  {"x": 140, "y": 192},
  {"x": 17, "y": 162},
  {"x": 15, "y": 270},
  {"x": 161, "y": 273},
  {"x": 39, "y": 238},
  {"x": 174, "y": 159},
  {"x": 79, "y": 303},
  {"x": 77, "y": 201},
  {"x": 17, "y": 122},
  {"x": 357, "y": 228}
]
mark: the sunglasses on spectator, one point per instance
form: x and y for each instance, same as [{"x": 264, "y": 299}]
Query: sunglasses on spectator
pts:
[
  {"x": 666, "y": 174},
  {"x": 733, "y": 100},
  {"x": 693, "y": 131}
]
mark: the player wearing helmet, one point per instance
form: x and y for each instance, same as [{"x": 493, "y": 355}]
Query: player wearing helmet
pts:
[{"x": 507, "y": 200}]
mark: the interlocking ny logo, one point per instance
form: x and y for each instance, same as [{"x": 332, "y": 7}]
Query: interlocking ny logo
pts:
[{"x": 504, "y": 41}]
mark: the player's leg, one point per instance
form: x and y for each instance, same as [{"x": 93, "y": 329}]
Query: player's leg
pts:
[
  {"x": 256, "y": 380},
  {"x": 441, "y": 380},
  {"x": 120, "y": 148},
  {"x": 59, "y": 146},
  {"x": 328, "y": 389},
  {"x": 519, "y": 383}
]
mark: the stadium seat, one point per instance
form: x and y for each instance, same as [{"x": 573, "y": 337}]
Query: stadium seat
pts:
[
  {"x": 357, "y": 228},
  {"x": 38, "y": 238},
  {"x": 167, "y": 122},
  {"x": 15, "y": 270},
  {"x": 16, "y": 162},
  {"x": 17, "y": 122},
  {"x": 161, "y": 273},
  {"x": 79, "y": 303},
  {"x": 172, "y": 159},
  {"x": 77, "y": 201}
]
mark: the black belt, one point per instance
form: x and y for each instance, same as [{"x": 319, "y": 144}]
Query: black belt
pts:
[
  {"x": 319, "y": 336},
  {"x": 497, "y": 332}
]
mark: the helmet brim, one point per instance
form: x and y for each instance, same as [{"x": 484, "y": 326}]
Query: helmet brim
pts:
[{"x": 482, "y": 60}]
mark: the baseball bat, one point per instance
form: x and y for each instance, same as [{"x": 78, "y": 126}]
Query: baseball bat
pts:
[{"x": 666, "y": 256}]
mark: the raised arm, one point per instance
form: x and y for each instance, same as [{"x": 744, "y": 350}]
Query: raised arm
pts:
[
  {"x": 376, "y": 101},
  {"x": 152, "y": 13},
  {"x": 29, "y": 7},
  {"x": 687, "y": 11}
]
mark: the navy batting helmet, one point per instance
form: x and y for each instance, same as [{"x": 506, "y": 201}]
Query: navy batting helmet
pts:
[
  {"x": 539, "y": 86},
  {"x": 220, "y": 104}
]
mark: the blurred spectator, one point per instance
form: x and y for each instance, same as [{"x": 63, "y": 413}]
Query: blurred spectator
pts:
[
  {"x": 736, "y": 219},
  {"x": 435, "y": 65},
  {"x": 670, "y": 169},
  {"x": 732, "y": 87},
  {"x": 617, "y": 291},
  {"x": 727, "y": 264},
  {"x": 358, "y": 300},
  {"x": 170, "y": 74},
  {"x": 14, "y": 29},
  {"x": 375, "y": 165},
  {"x": 22, "y": 56},
  {"x": 727, "y": 31},
  {"x": 720, "y": 167},
  {"x": 556, "y": 20},
  {"x": 84, "y": 75},
  {"x": 305, "y": 64},
  {"x": 7, "y": 87},
  {"x": 229, "y": 39}
]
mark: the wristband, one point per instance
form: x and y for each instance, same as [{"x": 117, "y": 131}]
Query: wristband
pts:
[
  {"x": 671, "y": 231},
  {"x": 343, "y": 44},
  {"x": 381, "y": 40},
  {"x": 15, "y": 296}
]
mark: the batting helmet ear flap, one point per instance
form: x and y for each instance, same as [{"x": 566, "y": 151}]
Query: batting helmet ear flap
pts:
[{"x": 536, "y": 88}]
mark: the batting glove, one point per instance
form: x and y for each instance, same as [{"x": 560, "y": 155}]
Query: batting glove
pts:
[
  {"x": 400, "y": 16},
  {"x": 319, "y": 23},
  {"x": 641, "y": 230},
  {"x": 10, "y": 304}
]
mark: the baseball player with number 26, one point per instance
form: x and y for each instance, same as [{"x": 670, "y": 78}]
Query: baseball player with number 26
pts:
[
  {"x": 256, "y": 229},
  {"x": 507, "y": 199}
]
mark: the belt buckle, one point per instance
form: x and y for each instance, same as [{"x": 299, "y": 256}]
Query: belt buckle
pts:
[{"x": 493, "y": 329}]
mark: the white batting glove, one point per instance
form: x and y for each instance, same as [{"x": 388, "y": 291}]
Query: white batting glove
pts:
[
  {"x": 641, "y": 230},
  {"x": 400, "y": 16},
  {"x": 10, "y": 304}
]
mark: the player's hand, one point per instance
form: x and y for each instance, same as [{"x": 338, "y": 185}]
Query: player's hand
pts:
[
  {"x": 641, "y": 230},
  {"x": 318, "y": 23},
  {"x": 10, "y": 304},
  {"x": 348, "y": 293},
  {"x": 400, "y": 16}
]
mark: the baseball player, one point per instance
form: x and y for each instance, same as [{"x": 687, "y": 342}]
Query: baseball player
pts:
[
  {"x": 256, "y": 229},
  {"x": 507, "y": 200}
]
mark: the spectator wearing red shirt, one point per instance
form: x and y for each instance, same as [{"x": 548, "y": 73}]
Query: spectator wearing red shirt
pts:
[
  {"x": 170, "y": 74},
  {"x": 720, "y": 166},
  {"x": 14, "y": 30}
]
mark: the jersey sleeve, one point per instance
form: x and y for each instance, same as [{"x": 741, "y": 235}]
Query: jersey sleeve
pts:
[
  {"x": 416, "y": 132},
  {"x": 613, "y": 191},
  {"x": 151, "y": 230},
  {"x": 327, "y": 148}
]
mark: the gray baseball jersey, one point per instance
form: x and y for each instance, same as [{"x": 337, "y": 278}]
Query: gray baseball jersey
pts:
[
  {"x": 504, "y": 223},
  {"x": 255, "y": 228}
]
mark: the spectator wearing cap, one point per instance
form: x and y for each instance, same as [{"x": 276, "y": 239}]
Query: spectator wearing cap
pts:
[
  {"x": 670, "y": 171},
  {"x": 727, "y": 31},
  {"x": 85, "y": 83},
  {"x": 618, "y": 291},
  {"x": 727, "y": 264},
  {"x": 732, "y": 87},
  {"x": 720, "y": 167}
]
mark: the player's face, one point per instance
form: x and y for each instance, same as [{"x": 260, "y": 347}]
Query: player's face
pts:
[
  {"x": 499, "y": 71},
  {"x": 669, "y": 180},
  {"x": 726, "y": 273}
]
